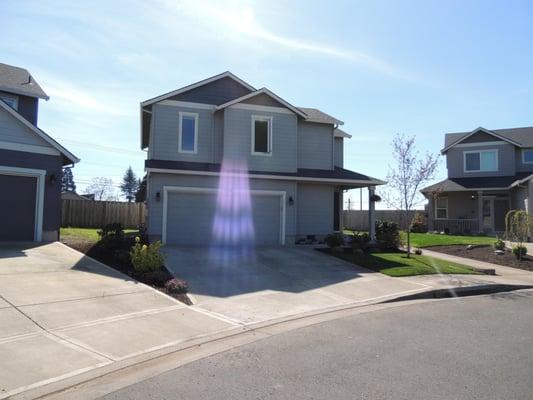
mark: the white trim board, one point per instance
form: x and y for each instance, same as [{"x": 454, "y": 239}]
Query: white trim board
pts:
[
  {"x": 256, "y": 107},
  {"x": 29, "y": 148},
  {"x": 481, "y": 144},
  {"x": 523, "y": 156},
  {"x": 40, "y": 133},
  {"x": 183, "y": 114},
  {"x": 186, "y": 189},
  {"x": 187, "y": 104},
  {"x": 480, "y": 129},
  {"x": 481, "y": 151},
  {"x": 269, "y": 122},
  {"x": 374, "y": 182},
  {"x": 40, "y": 174}
]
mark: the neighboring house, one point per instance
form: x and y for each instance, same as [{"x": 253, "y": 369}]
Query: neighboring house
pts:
[
  {"x": 70, "y": 195},
  {"x": 30, "y": 163},
  {"x": 489, "y": 173},
  {"x": 229, "y": 164}
]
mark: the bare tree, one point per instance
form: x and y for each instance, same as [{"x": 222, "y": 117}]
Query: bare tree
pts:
[
  {"x": 406, "y": 176},
  {"x": 102, "y": 188}
]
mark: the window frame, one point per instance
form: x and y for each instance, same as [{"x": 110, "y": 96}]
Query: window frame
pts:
[
  {"x": 524, "y": 158},
  {"x": 269, "y": 120},
  {"x": 480, "y": 152},
  {"x": 183, "y": 114},
  {"x": 441, "y": 208},
  {"x": 10, "y": 97}
]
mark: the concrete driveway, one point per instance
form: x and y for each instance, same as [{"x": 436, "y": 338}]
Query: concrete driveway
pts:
[
  {"x": 269, "y": 283},
  {"x": 62, "y": 314}
]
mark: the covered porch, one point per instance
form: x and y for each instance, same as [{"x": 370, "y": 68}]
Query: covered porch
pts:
[{"x": 469, "y": 212}]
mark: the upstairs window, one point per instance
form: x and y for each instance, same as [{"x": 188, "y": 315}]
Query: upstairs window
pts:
[
  {"x": 188, "y": 132},
  {"x": 481, "y": 161},
  {"x": 527, "y": 156},
  {"x": 261, "y": 135},
  {"x": 11, "y": 101}
]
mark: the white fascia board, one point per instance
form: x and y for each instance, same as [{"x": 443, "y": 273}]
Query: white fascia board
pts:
[{"x": 40, "y": 133}]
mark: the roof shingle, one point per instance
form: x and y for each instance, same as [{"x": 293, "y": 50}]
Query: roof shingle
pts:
[{"x": 19, "y": 80}]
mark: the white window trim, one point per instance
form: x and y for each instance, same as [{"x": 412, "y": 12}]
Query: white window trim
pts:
[
  {"x": 188, "y": 114},
  {"x": 441, "y": 208},
  {"x": 16, "y": 98},
  {"x": 184, "y": 189},
  {"x": 523, "y": 156},
  {"x": 269, "y": 120},
  {"x": 40, "y": 174},
  {"x": 481, "y": 151}
]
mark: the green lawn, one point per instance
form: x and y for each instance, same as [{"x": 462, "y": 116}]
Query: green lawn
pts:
[
  {"x": 432, "y": 239},
  {"x": 397, "y": 264},
  {"x": 89, "y": 234}
]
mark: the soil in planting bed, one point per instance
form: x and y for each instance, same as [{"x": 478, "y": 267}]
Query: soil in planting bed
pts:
[{"x": 486, "y": 253}]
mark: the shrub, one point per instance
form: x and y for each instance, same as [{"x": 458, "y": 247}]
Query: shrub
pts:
[
  {"x": 360, "y": 240},
  {"x": 388, "y": 235},
  {"x": 519, "y": 251},
  {"x": 334, "y": 240},
  {"x": 111, "y": 236},
  {"x": 499, "y": 245},
  {"x": 146, "y": 257},
  {"x": 419, "y": 224},
  {"x": 176, "y": 286},
  {"x": 418, "y": 252}
]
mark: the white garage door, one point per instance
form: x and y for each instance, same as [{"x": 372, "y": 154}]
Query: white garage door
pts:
[{"x": 199, "y": 219}]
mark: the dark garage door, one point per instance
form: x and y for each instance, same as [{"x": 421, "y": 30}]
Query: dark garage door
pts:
[{"x": 17, "y": 207}]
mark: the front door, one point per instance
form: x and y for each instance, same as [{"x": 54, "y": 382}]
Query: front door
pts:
[{"x": 488, "y": 215}]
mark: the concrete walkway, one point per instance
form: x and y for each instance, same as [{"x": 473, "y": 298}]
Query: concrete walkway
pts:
[{"x": 63, "y": 314}]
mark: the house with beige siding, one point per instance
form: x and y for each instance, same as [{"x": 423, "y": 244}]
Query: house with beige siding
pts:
[
  {"x": 489, "y": 173},
  {"x": 229, "y": 164}
]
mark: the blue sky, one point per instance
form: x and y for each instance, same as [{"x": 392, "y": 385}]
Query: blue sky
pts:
[{"x": 416, "y": 67}]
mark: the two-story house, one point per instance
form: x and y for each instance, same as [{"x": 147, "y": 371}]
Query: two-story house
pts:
[
  {"x": 231, "y": 164},
  {"x": 30, "y": 162},
  {"x": 489, "y": 173}
]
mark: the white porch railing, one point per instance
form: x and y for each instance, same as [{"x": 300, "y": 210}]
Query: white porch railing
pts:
[{"x": 461, "y": 226}]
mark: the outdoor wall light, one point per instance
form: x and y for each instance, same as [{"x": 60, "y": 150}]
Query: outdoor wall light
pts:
[
  {"x": 52, "y": 179},
  {"x": 473, "y": 197},
  {"x": 158, "y": 196},
  {"x": 291, "y": 201},
  {"x": 375, "y": 198}
]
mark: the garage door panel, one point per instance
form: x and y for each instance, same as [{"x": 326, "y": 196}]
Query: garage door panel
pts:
[
  {"x": 191, "y": 218},
  {"x": 17, "y": 208}
]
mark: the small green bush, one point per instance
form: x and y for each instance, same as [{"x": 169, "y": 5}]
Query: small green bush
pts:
[
  {"x": 360, "y": 240},
  {"x": 334, "y": 240},
  {"x": 419, "y": 224},
  {"x": 146, "y": 257},
  {"x": 499, "y": 245},
  {"x": 388, "y": 235},
  {"x": 519, "y": 251},
  {"x": 111, "y": 236},
  {"x": 177, "y": 286}
]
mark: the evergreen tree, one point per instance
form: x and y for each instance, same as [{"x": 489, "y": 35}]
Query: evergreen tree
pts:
[
  {"x": 140, "y": 195},
  {"x": 129, "y": 185},
  {"x": 67, "y": 180}
]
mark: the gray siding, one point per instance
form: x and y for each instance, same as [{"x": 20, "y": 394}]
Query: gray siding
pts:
[
  {"x": 14, "y": 131},
  {"x": 339, "y": 152},
  {"x": 52, "y": 195},
  {"x": 315, "y": 209},
  {"x": 158, "y": 180},
  {"x": 217, "y": 92},
  {"x": 218, "y": 137},
  {"x": 27, "y": 106},
  {"x": 166, "y": 129},
  {"x": 506, "y": 161},
  {"x": 315, "y": 145},
  {"x": 238, "y": 140}
]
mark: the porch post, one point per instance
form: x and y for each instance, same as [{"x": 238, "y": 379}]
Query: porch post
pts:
[
  {"x": 431, "y": 212},
  {"x": 480, "y": 210},
  {"x": 371, "y": 214}
]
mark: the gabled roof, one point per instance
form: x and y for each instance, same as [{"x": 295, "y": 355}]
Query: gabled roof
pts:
[
  {"x": 315, "y": 115},
  {"x": 479, "y": 183},
  {"x": 268, "y": 93},
  {"x": 341, "y": 134},
  {"x": 67, "y": 155},
  {"x": 453, "y": 139},
  {"x": 19, "y": 81},
  {"x": 226, "y": 74}
]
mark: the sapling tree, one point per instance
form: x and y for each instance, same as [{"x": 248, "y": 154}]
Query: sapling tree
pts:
[
  {"x": 409, "y": 172},
  {"x": 102, "y": 188},
  {"x": 518, "y": 225}
]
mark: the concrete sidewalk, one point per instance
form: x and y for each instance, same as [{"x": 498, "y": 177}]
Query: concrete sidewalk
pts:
[{"x": 63, "y": 314}]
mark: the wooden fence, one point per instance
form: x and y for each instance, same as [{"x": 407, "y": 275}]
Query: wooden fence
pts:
[
  {"x": 358, "y": 219},
  {"x": 95, "y": 214}
]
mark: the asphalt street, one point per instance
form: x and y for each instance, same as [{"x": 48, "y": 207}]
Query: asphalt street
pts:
[{"x": 477, "y": 347}]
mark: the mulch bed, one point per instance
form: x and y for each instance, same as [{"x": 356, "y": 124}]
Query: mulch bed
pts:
[
  {"x": 486, "y": 253},
  {"x": 119, "y": 262}
]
